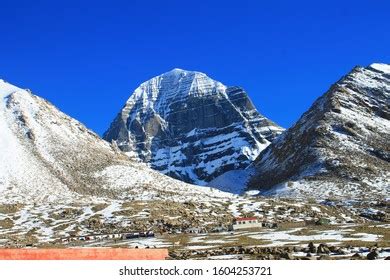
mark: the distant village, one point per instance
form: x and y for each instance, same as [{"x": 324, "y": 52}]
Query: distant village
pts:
[
  {"x": 114, "y": 236},
  {"x": 241, "y": 223}
]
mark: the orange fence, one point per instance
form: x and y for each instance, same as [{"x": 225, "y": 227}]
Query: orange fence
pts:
[{"x": 83, "y": 254}]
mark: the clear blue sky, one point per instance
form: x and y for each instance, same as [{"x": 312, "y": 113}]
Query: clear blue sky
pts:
[{"x": 87, "y": 57}]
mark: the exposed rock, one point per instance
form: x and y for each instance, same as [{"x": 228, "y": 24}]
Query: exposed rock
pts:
[
  {"x": 339, "y": 148},
  {"x": 264, "y": 253},
  {"x": 287, "y": 256},
  {"x": 356, "y": 256},
  {"x": 312, "y": 248},
  {"x": 190, "y": 127},
  {"x": 322, "y": 221},
  {"x": 65, "y": 161},
  {"x": 373, "y": 255},
  {"x": 323, "y": 249},
  {"x": 324, "y": 257},
  {"x": 7, "y": 223}
]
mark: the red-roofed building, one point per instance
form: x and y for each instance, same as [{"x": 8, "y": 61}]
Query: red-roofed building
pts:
[{"x": 245, "y": 223}]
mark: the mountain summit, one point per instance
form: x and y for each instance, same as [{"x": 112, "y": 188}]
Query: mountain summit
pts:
[
  {"x": 46, "y": 156},
  {"x": 191, "y": 127},
  {"x": 339, "y": 148}
]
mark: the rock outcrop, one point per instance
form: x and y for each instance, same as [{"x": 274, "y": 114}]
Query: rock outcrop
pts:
[
  {"x": 190, "y": 127},
  {"x": 340, "y": 148},
  {"x": 46, "y": 156}
]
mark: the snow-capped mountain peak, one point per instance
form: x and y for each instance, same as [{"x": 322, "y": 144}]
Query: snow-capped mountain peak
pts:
[
  {"x": 190, "y": 126},
  {"x": 46, "y": 156},
  {"x": 339, "y": 147},
  {"x": 7, "y": 89},
  {"x": 177, "y": 83},
  {"x": 385, "y": 68}
]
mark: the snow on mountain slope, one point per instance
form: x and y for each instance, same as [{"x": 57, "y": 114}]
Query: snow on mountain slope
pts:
[
  {"x": 191, "y": 127},
  {"x": 233, "y": 181},
  {"x": 47, "y": 156},
  {"x": 17, "y": 163},
  {"x": 339, "y": 148}
]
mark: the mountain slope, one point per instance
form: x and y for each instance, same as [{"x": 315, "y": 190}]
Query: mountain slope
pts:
[
  {"x": 190, "y": 127},
  {"x": 339, "y": 148},
  {"x": 47, "y": 156}
]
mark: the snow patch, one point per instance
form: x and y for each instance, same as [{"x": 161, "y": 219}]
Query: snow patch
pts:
[{"x": 385, "y": 68}]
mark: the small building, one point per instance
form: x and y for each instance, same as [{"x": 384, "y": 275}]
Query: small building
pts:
[{"x": 246, "y": 223}]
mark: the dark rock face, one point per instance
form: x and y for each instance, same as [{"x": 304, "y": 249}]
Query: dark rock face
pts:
[
  {"x": 190, "y": 127},
  {"x": 373, "y": 255},
  {"x": 340, "y": 147},
  {"x": 275, "y": 253}
]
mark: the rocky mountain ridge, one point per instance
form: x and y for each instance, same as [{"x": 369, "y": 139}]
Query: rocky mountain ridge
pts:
[
  {"x": 191, "y": 127},
  {"x": 46, "y": 156},
  {"x": 340, "y": 148}
]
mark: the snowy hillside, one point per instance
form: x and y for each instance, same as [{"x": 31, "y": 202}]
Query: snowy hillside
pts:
[
  {"x": 47, "y": 156},
  {"x": 191, "y": 127},
  {"x": 339, "y": 148}
]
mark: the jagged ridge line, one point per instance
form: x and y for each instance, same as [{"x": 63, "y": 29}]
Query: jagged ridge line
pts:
[
  {"x": 222, "y": 102},
  {"x": 176, "y": 138}
]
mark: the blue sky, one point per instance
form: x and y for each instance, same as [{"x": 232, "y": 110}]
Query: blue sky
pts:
[{"x": 87, "y": 57}]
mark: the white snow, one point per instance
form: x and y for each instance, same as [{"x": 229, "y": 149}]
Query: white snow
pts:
[
  {"x": 280, "y": 238},
  {"x": 316, "y": 209},
  {"x": 155, "y": 101},
  {"x": 232, "y": 181},
  {"x": 159, "y": 92},
  {"x": 31, "y": 168},
  {"x": 356, "y": 93},
  {"x": 18, "y": 166},
  {"x": 6, "y": 89},
  {"x": 385, "y": 68},
  {"x": 367, "y": 237}
]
